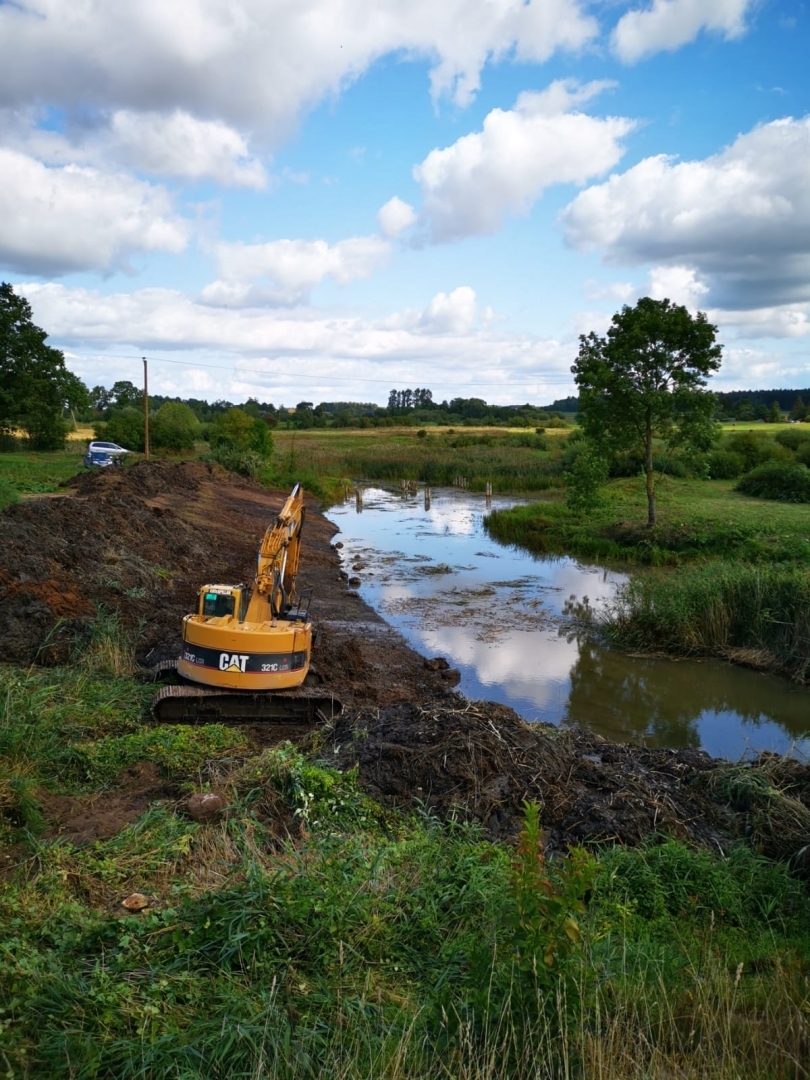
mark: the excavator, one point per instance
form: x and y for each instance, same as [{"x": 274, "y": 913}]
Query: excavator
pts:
[{"x": 246, "y": 649}]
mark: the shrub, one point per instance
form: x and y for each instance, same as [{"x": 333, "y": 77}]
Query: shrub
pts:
[
  {"x": 45, "y": 429},
  {"x": 794, "y": 438},
  {"x": 235, "y": 430},
  {"x": 724, "y": 465},
  {"x": 778, "y": 480},
  {"x": 174, "y": 427},
  {"x": 585, "y": 477},
  {"x": 756, "y": 449},
  {"x": 124, "y": 427}
]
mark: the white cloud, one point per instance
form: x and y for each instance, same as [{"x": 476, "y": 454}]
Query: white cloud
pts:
[
  {"x": 452, "y": 313},
  {"x": 470, "y": 187},
  {"x": 677, "y": 283},
  {"x": 291, "y": 267},
  {"x": 58, "y": 220},
  {"x": 259, "y": 63},
  {"x": 738, "y": 222},
  {"x": 174, "y": 144},
  {"x": 273, "y": 352},
  {"x": 180, "y": 145},
  {"x": 395, "y": 216},
  {"x": 669, "y": 24}
]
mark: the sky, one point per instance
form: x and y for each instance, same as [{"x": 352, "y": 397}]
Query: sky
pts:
[{"x": 324, "y": 200}]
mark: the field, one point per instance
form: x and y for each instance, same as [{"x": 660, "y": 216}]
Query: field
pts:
[{"x": 376, "y": 900}]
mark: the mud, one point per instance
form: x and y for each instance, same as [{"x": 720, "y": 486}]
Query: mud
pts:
[{"x": 140, "y": 541}]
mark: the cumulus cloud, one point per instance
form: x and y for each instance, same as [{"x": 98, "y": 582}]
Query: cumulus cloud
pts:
[
  {"x": 247, "y": 61},
  {"x": 273, "y": 352},
  {"x": 669, "y": 24},
  {"x": 450, "y": 313},
  {"x": 58, "y": 220},
  {"x": 395, "y": 217},
  {"x": 470, "y": 187},
  {"x": 738, "y": 222},
  {"x": 285, "y": 271},
  {"x": 174, "y": 144}
]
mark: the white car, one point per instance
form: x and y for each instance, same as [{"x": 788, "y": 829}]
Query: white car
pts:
[{"x": 110, "y": 448}]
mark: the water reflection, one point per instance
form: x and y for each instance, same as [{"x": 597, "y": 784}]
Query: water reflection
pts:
[{"x": 504, "y": 619}]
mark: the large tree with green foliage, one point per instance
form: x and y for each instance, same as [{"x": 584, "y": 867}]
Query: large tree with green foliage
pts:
[
  {"x": 35, "y": 385},
  {"x": 647, "y": 379}
]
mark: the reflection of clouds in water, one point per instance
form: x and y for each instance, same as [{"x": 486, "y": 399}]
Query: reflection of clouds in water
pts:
[
  {"x": 574, "y": 580},
  {"x": 536, "y": 668}
]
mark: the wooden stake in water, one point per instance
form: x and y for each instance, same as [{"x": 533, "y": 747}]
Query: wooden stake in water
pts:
[{"x": 427, "y": 497}]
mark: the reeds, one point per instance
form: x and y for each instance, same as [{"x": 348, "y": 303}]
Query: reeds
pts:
[{"x": 726, "y": 609}]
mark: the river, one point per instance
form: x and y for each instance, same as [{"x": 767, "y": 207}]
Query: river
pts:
[{"x": 503, "y": 617}]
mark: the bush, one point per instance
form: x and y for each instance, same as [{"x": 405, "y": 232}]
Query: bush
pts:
[
  {"x": 235, "y": 430},
  {"x": 756, "y": 449},
  {"x": 584, "y": 479},
  {"x": 174, "y": 427},
  {"x": 45, "y": 429},
  {"x": 724, "y": 465},
  {"x": 778, "y": 480},
  {"x": 794, "y": 438},
  {"x": 124, "y": 427}
]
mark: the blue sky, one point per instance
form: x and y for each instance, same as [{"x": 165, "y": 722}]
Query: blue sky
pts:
[{"x": 322, "y": 200}]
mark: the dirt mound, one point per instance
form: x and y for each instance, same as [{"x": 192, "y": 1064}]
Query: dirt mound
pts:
[
  {"x": 82, "y": 819},
  {"x": 482, "y": 760}
]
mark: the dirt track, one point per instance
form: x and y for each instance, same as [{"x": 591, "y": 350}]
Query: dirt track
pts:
[{"x": 141, "y": 540}]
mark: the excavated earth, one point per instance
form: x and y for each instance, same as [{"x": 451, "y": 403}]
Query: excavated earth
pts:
[{"x": 140, "y": 541}]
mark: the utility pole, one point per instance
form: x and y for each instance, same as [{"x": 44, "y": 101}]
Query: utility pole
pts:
[{"x": 145, "y": 409}]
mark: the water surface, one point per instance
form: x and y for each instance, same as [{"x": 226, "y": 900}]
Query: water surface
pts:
[{"x": 504, "y": 618}]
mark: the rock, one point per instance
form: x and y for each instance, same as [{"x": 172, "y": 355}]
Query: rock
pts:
[
  {"x": 206, "y": 807},
  {"x": 451, "y": 675},
  {"x": 438, "y": 663},
  {"x": 354, "y": 582},
  {"x": 339, "y": 544},
  {"x": 135, "y": 902}
]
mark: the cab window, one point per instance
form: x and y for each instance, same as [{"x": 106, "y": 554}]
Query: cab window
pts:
[{"x": 217, "y": 604}]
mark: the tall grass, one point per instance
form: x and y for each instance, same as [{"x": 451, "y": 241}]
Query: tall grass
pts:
[
  {"x": 747, "y": 613},
  {"x": 511, "y": 462}
]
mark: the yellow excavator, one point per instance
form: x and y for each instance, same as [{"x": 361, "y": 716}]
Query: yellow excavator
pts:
[{"x": 247, "y": 649}]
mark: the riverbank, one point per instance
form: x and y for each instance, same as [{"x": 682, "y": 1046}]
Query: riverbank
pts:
[
  {"x": 350, "y": 907},
  {"x": 734, "y": 572}
]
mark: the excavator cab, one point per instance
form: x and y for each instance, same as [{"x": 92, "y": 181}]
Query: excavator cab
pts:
[{"x": 221, "y": 601}]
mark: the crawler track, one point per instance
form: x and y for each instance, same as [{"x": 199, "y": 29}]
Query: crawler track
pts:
[{"x": 301, "y": 707}]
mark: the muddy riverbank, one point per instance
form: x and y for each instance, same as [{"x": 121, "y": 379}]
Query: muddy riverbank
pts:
[{"x": 137, "y": 542}]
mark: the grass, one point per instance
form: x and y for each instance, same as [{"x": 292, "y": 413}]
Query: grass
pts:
[
  {"x": 697, "y": 519},
  {"x": 510, "y": 460},
  {"x": 313, "y": 932},
  {"x": 37, "y": 472},
  {"x": 758, "y": 615}
]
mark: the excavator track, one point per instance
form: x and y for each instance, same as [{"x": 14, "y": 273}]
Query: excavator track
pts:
[{"x": 185, "y": 704}]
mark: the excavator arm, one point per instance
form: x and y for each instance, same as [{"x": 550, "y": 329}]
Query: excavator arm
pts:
[{"x": 279, "y": 555}]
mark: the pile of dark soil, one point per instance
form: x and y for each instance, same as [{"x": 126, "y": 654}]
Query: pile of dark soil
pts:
[{"x": 481, "y": 761}]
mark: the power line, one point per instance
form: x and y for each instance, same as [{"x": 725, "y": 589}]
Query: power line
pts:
[{"x": 301, "y": 375}]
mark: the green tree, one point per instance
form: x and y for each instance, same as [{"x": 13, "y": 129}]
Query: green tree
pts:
[
  {"x": 174, "y": 427},
  {"x": 647, "y": 379},
  {"x": 799, "y": 410},
  {"x": 235, "y": 430},
  {"x": 35, "y": 385},
  {"x": 124, "y": 427}
]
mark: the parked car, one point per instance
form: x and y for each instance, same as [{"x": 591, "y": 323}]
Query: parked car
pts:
[
  {"x": 111, "y": 448},
  {"x": 101, "y": 459}
]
